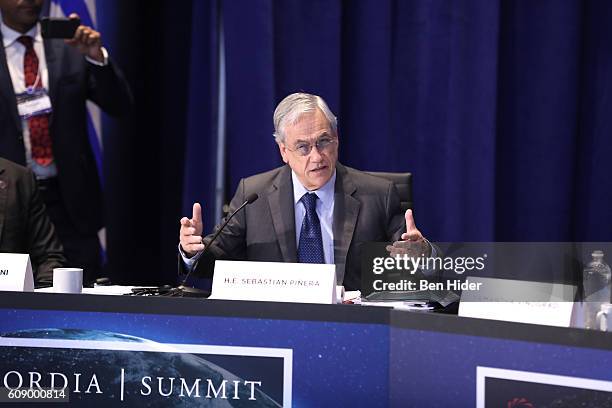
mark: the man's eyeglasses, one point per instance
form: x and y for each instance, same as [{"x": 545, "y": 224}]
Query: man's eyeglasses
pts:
[{"x": 304, "y": 149}]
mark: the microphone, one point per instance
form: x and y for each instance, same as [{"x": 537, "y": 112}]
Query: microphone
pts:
[
  {"x": 189, "y": 291},
  {"x": 249, "y": 200}
]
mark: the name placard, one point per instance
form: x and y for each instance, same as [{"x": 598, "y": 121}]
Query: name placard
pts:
[
  {"x": 16, "y": 273},
  {"x": 497, "y": 300},
  {"x": 274, "y": 282}
]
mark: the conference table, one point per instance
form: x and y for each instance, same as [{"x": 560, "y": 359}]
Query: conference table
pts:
[{"x": 156, "y": 351}]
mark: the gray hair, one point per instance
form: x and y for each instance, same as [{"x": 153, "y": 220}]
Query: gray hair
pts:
[{"x": 290, "y": 109}]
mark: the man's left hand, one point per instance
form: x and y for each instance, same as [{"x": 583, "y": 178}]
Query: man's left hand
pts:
[
  {"x": 413, "y": 243},
  {"x": 88, "y": 41},
  {"x": 412, "y": 233}
]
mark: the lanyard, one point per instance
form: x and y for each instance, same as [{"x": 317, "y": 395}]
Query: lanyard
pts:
[{"x": 30, "y": 89}]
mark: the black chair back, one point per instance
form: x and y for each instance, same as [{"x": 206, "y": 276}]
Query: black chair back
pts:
[{"x": 403, "y": 183}]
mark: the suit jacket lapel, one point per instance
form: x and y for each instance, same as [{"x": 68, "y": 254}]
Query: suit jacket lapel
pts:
[
  {"x": 3, "y": 198},
  {"x": 6, "y": 87},
  {"x": 282, "y": 209},
  {"x": 54, "y": 57},
  {"x": 346, "y": 211}
]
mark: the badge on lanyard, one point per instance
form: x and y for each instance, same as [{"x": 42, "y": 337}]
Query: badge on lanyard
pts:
[{"x": 33, "y": 102}]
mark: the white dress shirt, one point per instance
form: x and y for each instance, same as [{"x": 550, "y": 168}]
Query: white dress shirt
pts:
[{"x": 15, "y": 53}]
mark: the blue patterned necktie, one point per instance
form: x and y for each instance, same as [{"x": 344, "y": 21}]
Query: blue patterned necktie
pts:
[{"x": 310, "y": 247}]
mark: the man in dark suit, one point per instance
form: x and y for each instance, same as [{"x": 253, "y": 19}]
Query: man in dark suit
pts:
[
  {"x": 55, "y": 144},
  {"x": 312, "y": 210},
  {"x": 24, "y": 224}
]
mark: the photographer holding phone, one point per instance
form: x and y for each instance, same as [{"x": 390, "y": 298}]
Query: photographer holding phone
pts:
[
  {"x": 88, "y": 41},
  {"x": 44, "y": 86}
]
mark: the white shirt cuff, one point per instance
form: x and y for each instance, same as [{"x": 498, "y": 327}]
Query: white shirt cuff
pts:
[
  {"x": 98, "y": 63},
  {"x": 189, "y": 262}
]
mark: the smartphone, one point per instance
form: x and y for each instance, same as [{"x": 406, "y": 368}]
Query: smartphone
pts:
[{"x": 59, "y": 27}]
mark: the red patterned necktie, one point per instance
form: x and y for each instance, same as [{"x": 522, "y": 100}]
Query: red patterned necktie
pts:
[{"x": 40, "y": 140}]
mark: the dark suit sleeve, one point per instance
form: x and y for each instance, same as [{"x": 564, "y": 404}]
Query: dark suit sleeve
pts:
[
  {"x": 45, "y": 250},
  {"x": 231, "y": 243},
  {"x": 109, "y": 89},
  {"x": 396, "y": 222}
]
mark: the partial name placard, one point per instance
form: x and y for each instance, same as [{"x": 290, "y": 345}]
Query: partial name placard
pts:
[
  {"x": 16, "y": 272},
  {"x": 274, "y": 282},
  {"x": 496, "y": 301}
]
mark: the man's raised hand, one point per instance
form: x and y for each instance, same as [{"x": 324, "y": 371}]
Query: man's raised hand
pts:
[
  {"x": 190, "y": 234},
  {"x": 412, "y": 243}
]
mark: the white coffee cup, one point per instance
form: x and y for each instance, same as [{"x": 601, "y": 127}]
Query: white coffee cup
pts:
[
  {"x": 604, "y": 317},
  {"x": 67, "y": 280}
]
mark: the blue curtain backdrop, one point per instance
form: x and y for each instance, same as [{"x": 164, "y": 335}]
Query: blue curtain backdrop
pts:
[
  {"x": 201, "y": 144},
  {"x": 501, "y": 109}
]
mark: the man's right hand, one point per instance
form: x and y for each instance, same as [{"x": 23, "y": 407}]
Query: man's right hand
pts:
[{"x": 190, "y": 234}]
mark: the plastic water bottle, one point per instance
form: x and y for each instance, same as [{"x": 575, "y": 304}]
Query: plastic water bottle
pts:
[{"x": 596, "y": 282}]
